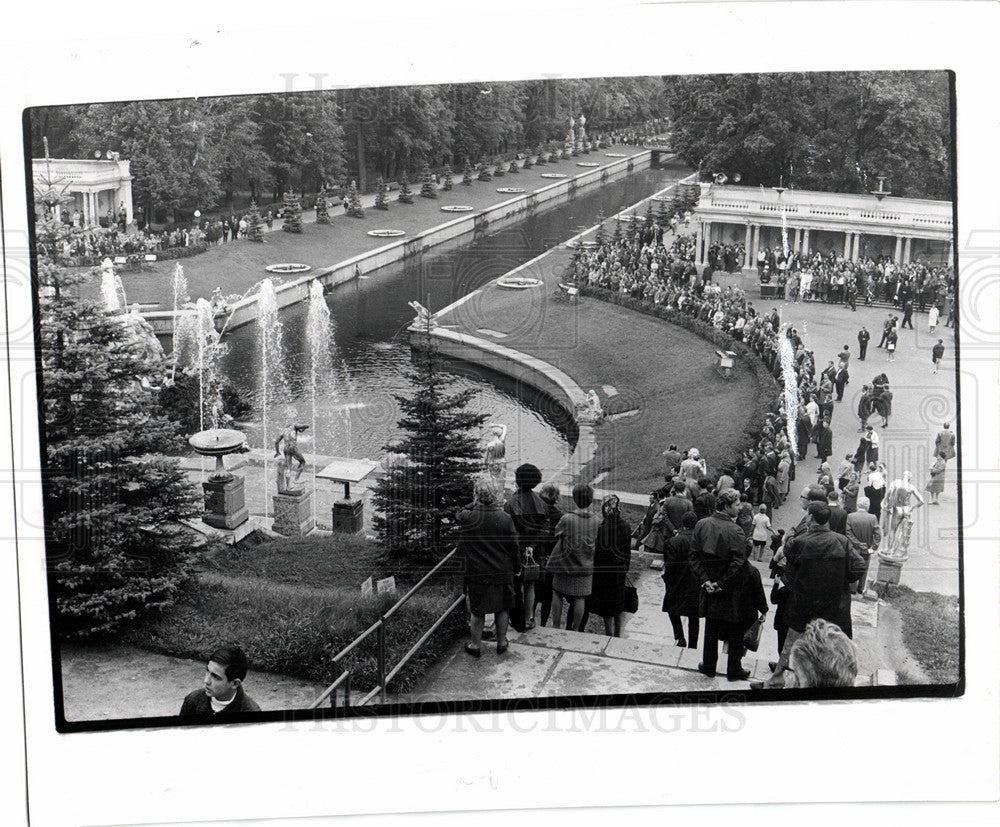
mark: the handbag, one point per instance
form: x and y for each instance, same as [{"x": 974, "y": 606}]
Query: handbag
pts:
[
  {"x": 751, "y": 637},
  {"x": 630, "y": 602},
  {"x": 530, "y": 570}
]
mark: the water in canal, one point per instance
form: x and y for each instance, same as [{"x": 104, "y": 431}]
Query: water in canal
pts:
[{"x": 355, "y": 408}]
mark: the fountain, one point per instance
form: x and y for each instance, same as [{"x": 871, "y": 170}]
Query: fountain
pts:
[
  {"x": 225, "y": 504},
  {"x": 273, "y": 384},
  {"x": 112, "y": 289},
  {"x": 197, "y": 349},
  {"x": 180, "y": 297}
]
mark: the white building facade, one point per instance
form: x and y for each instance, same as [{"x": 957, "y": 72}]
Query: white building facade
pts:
[
  {"x": 95, "y": 186},
  {"x": 854, "y": 226}
]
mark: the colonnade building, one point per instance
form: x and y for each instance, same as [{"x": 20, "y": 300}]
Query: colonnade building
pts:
[
  {"x": 854, "y": 226},
  {"x": 93, "y": 186}
]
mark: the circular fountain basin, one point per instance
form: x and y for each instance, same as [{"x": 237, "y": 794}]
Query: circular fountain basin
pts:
[
  {"x": 457, "y": 208},
  {"x": 587, "y": 164},
  {"x": 288, "y": 267},
  {"x": 518, "y": 282},
  {"x": 554, "y": 175},
  {"x": 386, "y": 233},
  {"x": 217, "y": 442}
]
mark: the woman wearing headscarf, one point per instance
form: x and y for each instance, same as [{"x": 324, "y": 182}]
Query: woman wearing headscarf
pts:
[
  {"x": 612, "y": 557},
  {"x": 549, "y": 494},
  {"x": 528, "y": 512},
  {"x": 487, "y": 539}
]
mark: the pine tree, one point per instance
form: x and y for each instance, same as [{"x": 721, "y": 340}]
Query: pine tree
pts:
[
  {"x": 500, "y": 168},
  {"x": 449, "y": 181},
  {"x": 484, "y": 173},
  {"x": 663, "y": 214},
  {"x": 354, "y": 208},
  {"x": 255, "y": 224},
  {"x": 467, "y": 173},
  {"x": 633, "y": 225},
  {"x": 543, "y": 155},
  {"x": 649, "y": 215},
  {"x": 527, "y": 162},
  {"x": 381, "y": 195},
  {"x": 599, "y": 235},
  {"x": 322, "y": 207},
  {"x": 514, "y": 167},
  {"x": 416, "y": 501},
  {"x": 292, "y": 211},
  {"x": 617, "y": 235},
  {"x": 428, "y": 189},
  {"x": 405, "y": 193},
  {"x": 112, "y": 500}
]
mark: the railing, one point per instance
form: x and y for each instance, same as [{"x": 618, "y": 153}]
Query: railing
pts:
[{"x": 378, "y": 628}]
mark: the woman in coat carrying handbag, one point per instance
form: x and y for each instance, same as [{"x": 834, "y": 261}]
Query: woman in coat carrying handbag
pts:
[{"x": 612, "y": 557}]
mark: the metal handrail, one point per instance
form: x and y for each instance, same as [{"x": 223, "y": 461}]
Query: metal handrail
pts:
[{"x": 379, "y": 629}]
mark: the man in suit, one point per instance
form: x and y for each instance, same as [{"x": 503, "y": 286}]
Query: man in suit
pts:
[
  {"x": 820, "y": 566},
  {"x": 718, "y": 553},
  {"x": 863, "y": 338},
  {"x": 223, "y": 692},
  {"x": 864, "y": 535},
  {"x": 944, "y": 443},
  {"x": 838, "y": 514}
]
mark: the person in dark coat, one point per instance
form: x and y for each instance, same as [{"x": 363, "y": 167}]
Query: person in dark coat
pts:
[
  {"x": 612, "y": 557},
  {"x": 528, "y": 512},
  {"x": 222, "y": 693},
  {"x": 824, "y": 441},
  {"x": 681, "y": 587},
  {"x": 838, "y": 514},
  {"x": 753, "y": 602},
  {"x": 487, "y": 540},
  {"x": 820, "y": 566},
  {"x": 718, "y": 552}
]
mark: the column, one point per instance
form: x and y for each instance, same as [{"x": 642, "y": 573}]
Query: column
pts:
[
  {"x": 897, "y": 256},
  {"x": 747, "y": 251},
  {"x": 847, "y": 244},
  {"x": 856, "y": 253},
  {"x": 127, "y": 198},
  {"x": 697, "y": 242},
  {"x": 805, "y": 241},
  {"x": 951, "y": 251},
  {"x": 754, "y": 245},
  {"x": 906, "y": 250},
  {"x": 95, "y": 209},
  {"x": 798, "y": 240}
]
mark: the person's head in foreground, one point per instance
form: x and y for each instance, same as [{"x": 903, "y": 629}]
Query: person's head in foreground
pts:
[
  {"x": 486, "y": 491},
  {"x": 226, "y": 670},
  {"x": 822, "y": 657}
]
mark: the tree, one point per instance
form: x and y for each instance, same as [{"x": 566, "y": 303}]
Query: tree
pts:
[
  {"x": 417, "y": 500},
  {"x": 291, "y": 210},
  {"x": 500, "y": 168},
  {"x": 322, "y": 207},
  {"x": 405, "y": 193},
  {"x": 449, "y": 180},
  {"x": 484, "y": 173},
  {"x": 467, "y": 173},
  {"x": 381, "y": 195},
  {"x": 428, "y": 189},
  {"x": 112, "y": 499},
  {"x": 599, "y": 235},
  {"x": 527, "y": 162},
  {"x": 354, "y": 208},
  {"x": 255, "y": 224},
  {"x": 514, "y": 167}
]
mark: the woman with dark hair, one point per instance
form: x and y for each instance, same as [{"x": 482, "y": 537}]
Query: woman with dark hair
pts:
[
  {"x": 612, "y": 557},
  {"x": 487, "y": 540},
  {"x": 572, "y": 559},
  {"x": 549, "y": 494},
  {"x": 529, "y": 515}
]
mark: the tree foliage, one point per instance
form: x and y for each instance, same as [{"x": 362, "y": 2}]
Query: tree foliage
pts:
[
  {"x": 111, "y": 498},
  {"x": 417, "y": 500},
  {"x": 825, "y": 131}
]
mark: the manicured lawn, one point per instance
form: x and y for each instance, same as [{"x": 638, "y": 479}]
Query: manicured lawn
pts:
[
  {"x": 293, "y": 604},
  {"x": 930, "y": 630}
]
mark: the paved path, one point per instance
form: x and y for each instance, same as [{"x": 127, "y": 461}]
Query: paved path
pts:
[{"x": 116, "y": 682}]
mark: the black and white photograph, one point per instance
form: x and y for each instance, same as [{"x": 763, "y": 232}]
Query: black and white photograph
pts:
[{"x": 452, "y": 396}]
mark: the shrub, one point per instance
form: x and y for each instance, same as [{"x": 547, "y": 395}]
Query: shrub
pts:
[
  {"x": 292, "y": 212},
  {"x": 484, "y": 173},
  {"x": 428, "y": 189},
  {"x": 467, "y": 174},
  {"x": 449, "y": 181},
  {"x": 405, "y": 193},
  {"x": 381, "y": 195}
]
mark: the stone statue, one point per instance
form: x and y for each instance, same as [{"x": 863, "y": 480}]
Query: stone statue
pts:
[
  {"x": 896, "y": 511},
  {"x": 285, "y": 478},
  {"x": 425, "y": 318},
  {"x": 495, "y": 453},
  {"x": 290, "y": 438}
]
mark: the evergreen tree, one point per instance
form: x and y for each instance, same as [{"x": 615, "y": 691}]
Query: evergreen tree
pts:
[
  {"x": 527, "y": 162},
  {"x": 405, "y": 193},
  {"x": 633, "y": 225},
  {"x": 112, "y": 500},
  {"x": 354, "y": 208},
  {"x": 663, "y": 214},
  {"x": 428, "y": 189},
  {"x": 381, "y": 195},
  {"x": 292, "y": 212},
  {"x": 255, "y": 224},
  {"x": 514, "y": 167},
  {"x": 449, "y": 181},
  {"x": 484, "y": 173},
  {"x": 599, "y": 235},
  {"x": 322, "y": 207},
  {"x": 649, "y": 215},
  {"x": 467, "y": 173},
  {"x": 500, "y": 169},
  {"x": 617, "y": 235},
  {"x": 416, "y": 501}
]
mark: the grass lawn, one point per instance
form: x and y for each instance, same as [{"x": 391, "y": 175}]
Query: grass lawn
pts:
[
  {"x": 930, "y": 630},
  {"x": 295, "y": 603},
  {"x": 238, "y": 265},
  {"x": 661, "y": 371}
]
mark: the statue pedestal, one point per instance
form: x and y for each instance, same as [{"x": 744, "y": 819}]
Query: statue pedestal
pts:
[
  {"x": 348, "y": 516},
  {"x": 225, "y": 505},
  {"x": 293, "y": 514},
  {"x": 889, "y": 571}
]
